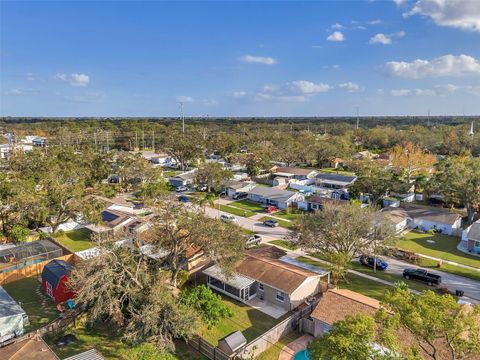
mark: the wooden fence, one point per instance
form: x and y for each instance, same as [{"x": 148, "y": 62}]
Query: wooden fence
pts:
[
  {"x": 269, "y": 338},
  {"x": 30, "y": 270},
  {"x": 205, "y": 348}
]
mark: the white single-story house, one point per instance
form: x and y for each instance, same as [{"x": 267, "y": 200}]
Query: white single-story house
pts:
[
  {"x": 267, "y": 275},
  {"x": 471, "y": 237},
  {"x": 13, "y": 318},
  {"x": 334, "y": 181},
  {"x": 274, "y": 196},
  {"x": 293, "y": 173},
  {"x": 424, "y": 218},
  {"x": 233, "y": 187},
  {"x": 184, "y": 179},
  {"x": 317, "y": 202}
]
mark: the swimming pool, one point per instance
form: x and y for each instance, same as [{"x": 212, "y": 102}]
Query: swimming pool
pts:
[
  {"x": 23, "y": 264},
  {"x": 302, "y": 355}
]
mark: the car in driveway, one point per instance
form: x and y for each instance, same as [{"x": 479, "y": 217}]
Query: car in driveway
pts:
[
  {"x": 240, "y": 196},
  {"x": 423, "y": 276},
  {"x": 181, "y": 189},
  {"x": 370, "y": 261},
  {"x": 183, "y": 198},
  {"x": 271, "y": 209},
  {"x": 253, "y": 240},
  {"x": 271, "y": 223},
  {"x": 228, "y": 218},
  {"x": 202, "y": 187}
]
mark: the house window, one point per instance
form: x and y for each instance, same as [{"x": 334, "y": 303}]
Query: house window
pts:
[
  {"x": 280, "y": 296},
  {"x": 477, "y": 244},
  {"x": 260, "y": 287}
]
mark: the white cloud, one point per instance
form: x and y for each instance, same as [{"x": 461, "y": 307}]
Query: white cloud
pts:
[
  {"x": 400, "y": 2},
  {"x": 258, "y": 60},
  {"x": 447, "y": 65},
  {"x": 385, "y": 39},
  {"x": 15, "y": 92},
  {"x": 30, "y": 76},
  {"x": 462, "y": 14},
  {"x": 80, "y": 80},
  {"x": 185, "y": 99},
  {"x": 336, "y": 36},
  {"x": 375, "y": 22},
  {"x": 350, "y": 87},
  {"x": 308, "y": 87},
  {"x": 336, "y": 66},
  {"x": 381, "y": 39},
  {"x": 380, "y": 91},
  {"x": 400, "y": 92},
  {"x": 337, "y": 26},
  {"x": 239, "y": 94}
]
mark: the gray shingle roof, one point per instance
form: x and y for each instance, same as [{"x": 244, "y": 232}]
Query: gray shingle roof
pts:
[
  {"x": 91, "y": 354},
  {"x": 8, "y": 306},
  {"x": 272, "y": 193}
]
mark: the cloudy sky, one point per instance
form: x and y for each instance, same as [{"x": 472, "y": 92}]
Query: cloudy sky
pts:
[{"x": 123, "y": 58}]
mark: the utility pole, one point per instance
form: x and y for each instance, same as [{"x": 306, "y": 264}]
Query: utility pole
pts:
[{"x": 358, "y": 118}]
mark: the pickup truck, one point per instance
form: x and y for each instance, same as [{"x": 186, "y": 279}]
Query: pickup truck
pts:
[{"x": 422, "y": 275}]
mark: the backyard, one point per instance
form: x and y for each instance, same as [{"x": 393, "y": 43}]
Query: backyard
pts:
[
  {"x": 75, "y": 240},
  {"x": 39, "y": 307},
  {"x": 251, "y": 322},
  {"x": 107, "y": 342},
  {"x": 440, "y": 246},
  {"x": 273, "y": 352}
]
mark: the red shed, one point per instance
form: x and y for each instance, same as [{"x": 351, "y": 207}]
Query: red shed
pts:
[{"x": 54, "y": 280}]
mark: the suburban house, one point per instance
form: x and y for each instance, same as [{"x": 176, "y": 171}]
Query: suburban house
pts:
[
  {"x": 293, "y": 173},
  {"x": 315, "y": 202},
  {"x": 233, "y": 187},
  {"x": 274, "y": 196},
  {"x": 55, "y": 277},
  {"x": 113, "y": 221},
  {"x": 12, "y": 317},
  {"x": 336, "y": 304},
  {"x": 471, "y": 238},
  {"x": 269, "y": 280},
  {"x": 424, "y": 218},
  {"x": 183, "y": 179},
  {"x": 334, "y": 181}
]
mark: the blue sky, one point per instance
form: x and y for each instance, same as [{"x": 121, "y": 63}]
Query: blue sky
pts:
[{"x": 120, "y": 58}]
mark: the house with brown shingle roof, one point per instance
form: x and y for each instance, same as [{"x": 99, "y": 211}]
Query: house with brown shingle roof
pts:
[{"x": 269, "y": 275}]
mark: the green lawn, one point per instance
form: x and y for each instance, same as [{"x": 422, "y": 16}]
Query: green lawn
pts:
[
  {"x": 274, "y": 351},
  {"x": 251, "y": 322},
  {"x": 285, "y": 243},
  {"x": 75, "y": 240},
  {"x": 248, "y": 205},
  {"x": 39, "y": 307},
  {"x": 282, "y": 223},
  {"x": 108, "y": 342},
  {"x": 335, "y": 171},
  {"x": 292, "y": 216},
  {"x": 235, "y": 211},
  {"x": 364, "y": 286},
  {"x": 456, "y": 270},
  {"x": 445, "y": 247}
]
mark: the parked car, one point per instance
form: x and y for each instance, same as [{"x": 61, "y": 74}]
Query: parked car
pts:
[
  {"x": 370, "y": 262},
  {"x": 183, "y": 198},
  {"x": 270, "y": 223},
  {"x": 271, "y": 209},
  {"x": 253, "y": 240},
  {"x": 202, "y": 187},
  {"x": 181, "y": 189},
  {"x": 423, "y": 276},
  {"x": 228, "y": 218},
  {"x": 240, "y": 196}
]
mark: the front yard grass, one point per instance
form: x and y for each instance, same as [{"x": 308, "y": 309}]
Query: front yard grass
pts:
[
  {"x": 251, "y": 322},
  {"x": 285, "y": 244},
  {"x": 39, "y": 307},
  {"x": 452, "y": 269},
  {"x": 444, "y": 247},
  {"x": 282, "y": 223},
  {"x": 75, "y": 240},
  {"x": 248, "y": 205},
  {"x": 292, "y": 216},
  {"x": 235, "y": 211}
]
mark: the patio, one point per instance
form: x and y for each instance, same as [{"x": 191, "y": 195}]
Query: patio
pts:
[{"x": 266, "y": 307}]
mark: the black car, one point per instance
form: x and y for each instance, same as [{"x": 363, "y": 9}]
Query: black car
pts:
[
  {"x": 423, "y": 276},
  {"x": 270, "y": 223},
  {"x": 240, "y": 196}
]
